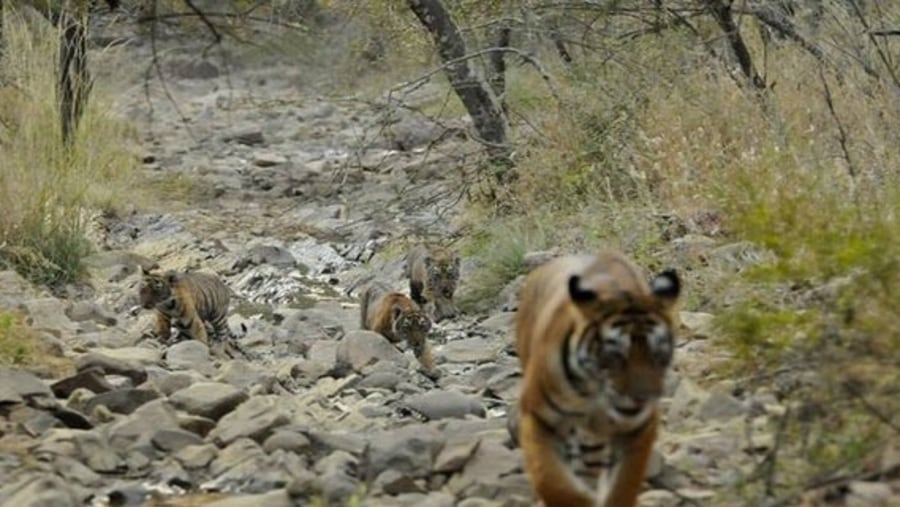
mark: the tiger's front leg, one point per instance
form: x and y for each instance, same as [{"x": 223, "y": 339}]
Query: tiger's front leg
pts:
[
  {"x": 163, "y": 327},
  {"x": 198, "y": 330},
  {"x": 551, "y": 478},
  {"x": 633, "y": 450}
]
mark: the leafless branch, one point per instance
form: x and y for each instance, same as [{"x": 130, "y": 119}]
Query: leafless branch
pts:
[
  {"x": 534, "y": 62},
  {"x": 881, "y": 416},
  {"x": 843, "y": 137}
]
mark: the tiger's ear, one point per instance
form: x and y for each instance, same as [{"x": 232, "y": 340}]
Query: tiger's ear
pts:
[
  {"x": 666, "y": 285},
  {"x": 456, "y": 261},
  {"x": 579, "y": 294},
  {"x": 396, "y": 312},
  {"x": 172, "y": 277}
]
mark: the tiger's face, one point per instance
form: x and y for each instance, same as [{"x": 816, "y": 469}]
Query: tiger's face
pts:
[
  {"x": 412, "y": 325},
  {"x": 443, "y": 277},
  {"x": 629, "y": 346},
  {"x": 155, "y": 288}
]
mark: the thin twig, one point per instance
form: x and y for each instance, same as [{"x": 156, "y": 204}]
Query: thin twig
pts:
[
  {"x": 548, "y": 79},
  {"x": 881, "y": 416},
  {"x": 212, "y": 28}
]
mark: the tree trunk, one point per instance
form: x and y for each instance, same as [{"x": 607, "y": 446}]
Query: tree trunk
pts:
[
  {"x": 721, "y": 11},
  {"x": 74, "y": 81},
  {"x": 481, "y": 104},
  {"x": 497, "y": 60}
]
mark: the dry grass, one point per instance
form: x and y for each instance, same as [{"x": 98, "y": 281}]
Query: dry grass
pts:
[
  {"x": 20, "y": 346},
  {"x": 48, "y": 191}
]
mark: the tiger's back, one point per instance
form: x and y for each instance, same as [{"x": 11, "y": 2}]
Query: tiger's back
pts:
[
  {"x": 595, "y": 340},
  {"x": 196, "y": 303}
]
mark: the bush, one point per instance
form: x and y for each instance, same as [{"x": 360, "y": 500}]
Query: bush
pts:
[{"x": 49, "y": 191}]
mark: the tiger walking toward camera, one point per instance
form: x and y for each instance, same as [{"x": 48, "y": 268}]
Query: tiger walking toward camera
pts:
[
  {"x": 433, "y": 273},
  {"x": 594, "y": 340},
  {"x": 195, "y": 303},
  {"x": 398, "y": 318}
]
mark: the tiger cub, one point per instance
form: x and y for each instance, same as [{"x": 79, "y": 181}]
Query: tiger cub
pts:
[
  {"x": 195, "y": 303},
  {"x": 594, "y": 340},
  {"x": 433, "y": 274},
  {"x": 398, "y": 318}
]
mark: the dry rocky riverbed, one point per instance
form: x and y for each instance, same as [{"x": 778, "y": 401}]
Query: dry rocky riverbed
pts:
[{"x": 292, "y": 197}]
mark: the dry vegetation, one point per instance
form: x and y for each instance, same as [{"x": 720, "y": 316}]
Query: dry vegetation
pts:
[
  {"x": 22, "y": 346},
  {"x": 49, "y": 191}
]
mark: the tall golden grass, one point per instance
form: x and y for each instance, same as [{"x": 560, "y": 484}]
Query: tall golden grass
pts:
[{"x": 48, "y": 190}]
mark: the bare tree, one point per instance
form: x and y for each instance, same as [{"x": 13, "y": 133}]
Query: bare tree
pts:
[
  {"x": 721, "y": 12},
  {"x": 476, "y": 96}
]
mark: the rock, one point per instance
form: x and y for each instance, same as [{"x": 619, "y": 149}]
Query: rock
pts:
[
  {"x": 88, "y": 447},
  {"x": 412, "y": 132},
  {"x": 658, "y": 498},
  {"x": 154, "y": 416},
  {"x": 110, "y": 365},
  {"x": 359, "y": 349},
  {"x": 380, "y": 380},
  {"x": 277, "y": 498},
  {"x": 121, "y": 401},
  {"x": 869, "y": 494},
  {"x": 720, "y": 407},
  {"x": 268, "y": 159},
  {"x": 91, "y": 379},
  {"x": 189, "y": 355},
  {"x": 471, "y": 350},
  {"x": 174, "y": 382},
  {"x": 48, "y": 314},
  {"x": 196, "y": 456},
  {"x": 498, "y": 324},
  {"x": 208, "y": 399},
  {"x": 488, "y": 464},
  {"x": 688, "y": 396},
  {"x": 453, "y": 458},
  {"x": 249, "y": 138},
  {"x": 244, "y": 375},
  {"x": 440, "y": 404},
  {"x": 409, "y": 450},
  {"x": 81, "y": 311},
  {"x": 43, "y": 490},
  {"x": 698, "y": 325},
  {"x": 336, "y": 480},
  {"x": 134, "y": 355},
  {"x": 17, "y": 386},
  {"x": 291, "y": 441},
  {"x": 392, "y": 482},
  {"x": 271, "y": 254},
  {"x": 329, "y": 442},
  {"x": 172, "y": 440},
  {"x": 256, "y": 418}
]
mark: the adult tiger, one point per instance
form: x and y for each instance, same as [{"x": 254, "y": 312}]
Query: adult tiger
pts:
[
  {"x": 195, "y": 303},
  {"x": 594, "y": 339}
]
